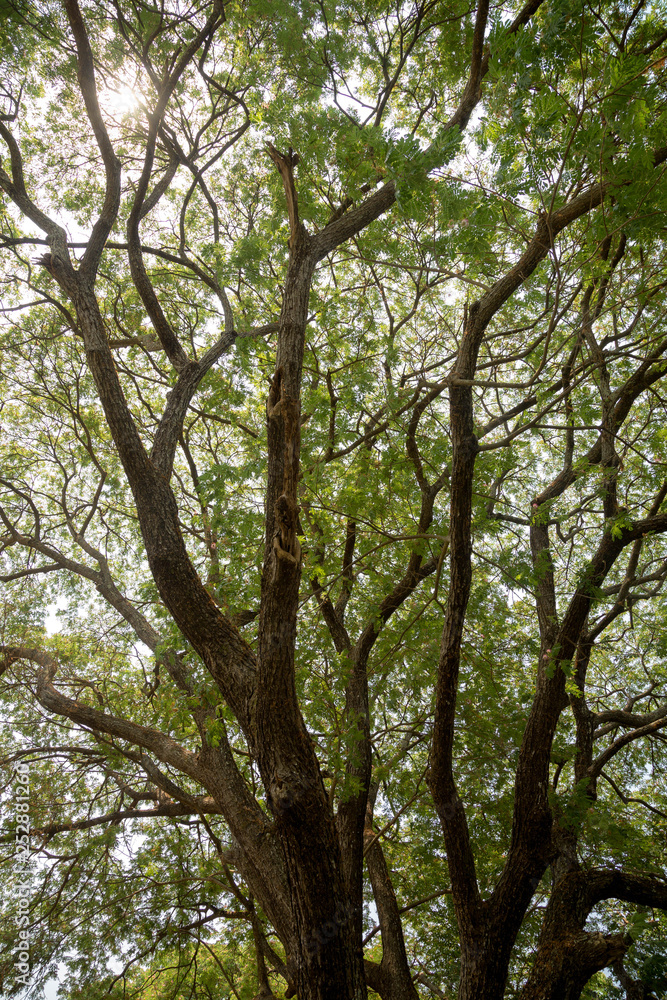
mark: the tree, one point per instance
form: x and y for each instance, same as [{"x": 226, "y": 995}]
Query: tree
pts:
[{"x": 332, "y": 424}]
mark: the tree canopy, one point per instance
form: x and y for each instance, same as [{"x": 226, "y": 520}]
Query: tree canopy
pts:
[{"x": 333, "y": 434}]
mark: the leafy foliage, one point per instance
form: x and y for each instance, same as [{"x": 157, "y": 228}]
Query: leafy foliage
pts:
[{"x": 551, "y": 180}]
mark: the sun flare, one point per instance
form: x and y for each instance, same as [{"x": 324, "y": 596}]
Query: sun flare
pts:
[{"x": 121, "y": 99}]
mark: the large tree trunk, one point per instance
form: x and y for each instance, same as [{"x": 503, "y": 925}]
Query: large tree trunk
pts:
[{"x": 329, "y": 963}]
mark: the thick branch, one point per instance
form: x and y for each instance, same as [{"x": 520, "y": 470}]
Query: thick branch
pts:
[
  {"x": 165, "y": 809},
  {"x": 393, "y": 979},
  {"x": 356, "y": 219},
  {"x": 285, "y": 164},
  {"x": 178, "y": 400},
  {"x": 112, "y": 167},
  {"x": 531, "y": 829},
  {"x": 163, "y": 328},
  {"x": 15, "y": 188},
  {"x": 162, "y": 747},
  {"x": 622, "y": 741},
  {"x": 567, "y": 955}
]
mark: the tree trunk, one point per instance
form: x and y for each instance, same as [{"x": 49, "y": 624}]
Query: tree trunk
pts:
[{"x": 329, "y": 964}]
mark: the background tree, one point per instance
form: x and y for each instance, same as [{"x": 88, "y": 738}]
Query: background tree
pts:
[{"x": 333, "y": 426}]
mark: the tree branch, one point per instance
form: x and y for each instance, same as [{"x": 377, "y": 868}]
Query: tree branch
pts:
[
  {"x": 165, "y": 809},
  {"x": 112, "y": 166}
]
